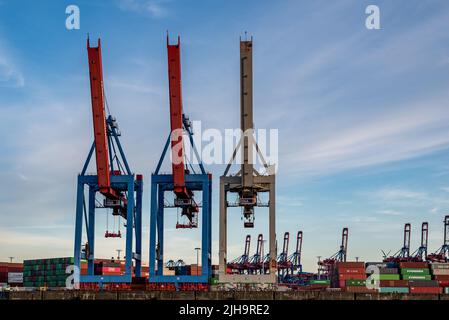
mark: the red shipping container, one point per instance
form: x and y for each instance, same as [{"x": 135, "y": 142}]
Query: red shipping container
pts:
[
  {"x": 342, "y": 283},
  {"x": 352, "y": 276},
  {"x": 351, "y": 270},
  {"x": 426, "y": 290},
  {"x": 359, "y": 289},
  {"x": 443, "y": 283},
  {"x": 355, "y": 265},
  {"x": 442, "y": 277},
  {"x": 413, "y": 265},
  {"x": 394, "y": 283}
]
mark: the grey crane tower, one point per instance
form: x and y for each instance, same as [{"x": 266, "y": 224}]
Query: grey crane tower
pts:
[{"x": 247, "y": 183}]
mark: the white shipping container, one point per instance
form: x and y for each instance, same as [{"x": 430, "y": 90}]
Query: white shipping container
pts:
[{"x": 15, "y": 277}]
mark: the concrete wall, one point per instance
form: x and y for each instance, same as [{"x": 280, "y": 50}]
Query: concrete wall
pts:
[{"x": 216, "y": 295}]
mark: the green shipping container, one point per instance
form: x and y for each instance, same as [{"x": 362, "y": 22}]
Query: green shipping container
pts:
[
  {"x": 389, "y": 277},
  {"x": 446, "y": 290},
  {"x": 415, "y": 271},
  {"x": 357, "y": 283},
  {"x": 393, "y": 290},
  {"x": 416, "y": 277},
  {"x": 323, "y": 282}
]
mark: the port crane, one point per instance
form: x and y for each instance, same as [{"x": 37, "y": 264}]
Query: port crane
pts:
[
  {"x": 256, "y": 260},
  {"x": 442, "y": 254},
  {"x": 120, "y": 191},
  {"x": 284, "y": 264},
  {"x": 421, "y": 253},
  {"x": 403, "y": 255},
  {"x": 242, "y": 263},
  {"x": 247, "y": 184},
  {"x": 295, "y": 257},
  {"x": 324, "y": 266},
  {"x": 182, "y": 183}
]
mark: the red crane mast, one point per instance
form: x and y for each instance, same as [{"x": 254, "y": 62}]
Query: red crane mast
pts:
[
  {"x": 99, "y": 121},
  {"x": 184, "y": 196}
]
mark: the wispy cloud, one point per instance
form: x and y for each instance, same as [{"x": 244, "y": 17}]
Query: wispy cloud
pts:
[
  {"x": 404, "y": 133},
  {"x": 390, "y": 213},
  {"x": 10, "y": 74},
  {"x": 152, "y": 8}
]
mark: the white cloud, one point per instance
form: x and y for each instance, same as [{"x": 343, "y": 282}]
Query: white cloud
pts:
[
  {"x": 10, "y": 74},
  {"x": 390, "y": 212},
  {"x": 401, "y": 133}
]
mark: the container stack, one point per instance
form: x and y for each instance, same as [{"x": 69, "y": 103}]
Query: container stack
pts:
[
  {"x": 46, "y": 272},
  {"x": 195, "y": 270},
  {"x": 11, "y": 274},
  {"x": 390, "y": 281},
  {"x": 420, "y": 280},
  {"x": 104, "y": 268},
  {"x": 349, "y": 276},
  {"x": 440, "y": 272}
]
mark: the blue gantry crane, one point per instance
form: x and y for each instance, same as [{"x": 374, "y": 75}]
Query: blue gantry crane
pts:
[
  {"x": 295, "y": 257},
  {"x": 421, "y": 253},
  {"x": 442, "y": 254},
  {"x": 114, "y": 187},
  {"x": 182, "y": 182}
]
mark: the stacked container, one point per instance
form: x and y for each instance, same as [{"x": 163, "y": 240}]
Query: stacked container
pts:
[
  {"x": 418, "y": 275},
  {"x": 440, "y": 272},
  {"x": 104, "y": 268},
  {"x": 349, "y": 276},
  {"x": 46, "y": 272},
  {"x": 195, "y": 270},
  {"x": 11, "y": 274}
]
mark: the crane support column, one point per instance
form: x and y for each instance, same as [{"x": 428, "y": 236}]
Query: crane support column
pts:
[{"x": 247, "y": 183}]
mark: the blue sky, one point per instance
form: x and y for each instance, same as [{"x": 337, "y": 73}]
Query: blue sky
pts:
[{"x": 362, "y": 114}]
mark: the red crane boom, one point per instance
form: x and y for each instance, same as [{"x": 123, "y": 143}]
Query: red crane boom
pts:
[
  {"x": 184, "y": 196},
  {"x": 99, "y": 121}
]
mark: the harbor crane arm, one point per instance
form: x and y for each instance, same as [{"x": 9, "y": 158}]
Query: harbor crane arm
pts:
[
  {"x": 344, "y": 244},
  {"x": 407, "y": 234},
  {"x": 184, "y": 196},
  {"x": 99, "y": 121}
]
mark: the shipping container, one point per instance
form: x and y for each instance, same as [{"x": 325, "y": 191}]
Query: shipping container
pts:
[
  {"x": 423, "y": 283},
  {"x": 356, "y": 276},
  {"x": 436, "y": 265},
  {"x": 441, "y": 272},
  {"x": 388, "y": 270},
  {"x": 426, "y": 290},
  {"x": 394, "y": 290},
  {"x": 443, "y": 283},
  {"x": 441, "y": 277},
  {"x": 410, "y": 265},
  {"x": 446, "y": 290},
  {"x": 389, "y": 277},
  {"x": 415, "y": 271},
  {"x": 355, "y": 283},
  {"x": 359, "y": 289},
  {"x": 355, "y": 265},
  {"x": 416, "y": 277},
  {"x": 394, "y": 283}
]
